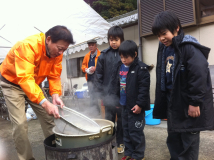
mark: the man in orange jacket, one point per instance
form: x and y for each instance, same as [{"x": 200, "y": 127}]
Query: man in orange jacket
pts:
[
  {"x": 88, "y": 67},
  {"x": 26, "y": 65}
]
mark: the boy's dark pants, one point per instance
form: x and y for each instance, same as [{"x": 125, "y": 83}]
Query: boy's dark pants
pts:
[
  {"x": 110, "y": 114},
  {"x": 183, "y": 146},
  {"x": 133, "y": 135}
]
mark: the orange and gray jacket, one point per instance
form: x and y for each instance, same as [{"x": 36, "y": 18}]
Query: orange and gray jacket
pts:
[
  {"x": 86, "y": 60},
  {"x": 27, "y": 65}
]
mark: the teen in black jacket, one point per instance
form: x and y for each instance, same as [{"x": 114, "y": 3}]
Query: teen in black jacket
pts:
[
  {"x": 106, "y": 65},
  {"x": 183, "y": 88},
  {"x": 191, "y": 86}
]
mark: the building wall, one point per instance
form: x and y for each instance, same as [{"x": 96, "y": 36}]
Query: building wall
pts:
[
  {"x": 204, "y": 34},
  {"x": 131, "y": 33}
]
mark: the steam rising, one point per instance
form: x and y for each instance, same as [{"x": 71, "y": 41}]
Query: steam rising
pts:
[{"x": 92, "y": 108}]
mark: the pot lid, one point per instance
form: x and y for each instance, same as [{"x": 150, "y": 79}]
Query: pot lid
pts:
[{"x": 73, "y": 120}]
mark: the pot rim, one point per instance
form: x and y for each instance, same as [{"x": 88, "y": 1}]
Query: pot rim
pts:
[{"x": 84, "y": 135}]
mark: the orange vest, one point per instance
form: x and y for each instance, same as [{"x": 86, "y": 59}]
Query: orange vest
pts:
[
  {"x": 86, "y": 60},
  {"x": 27, "y": 65}
]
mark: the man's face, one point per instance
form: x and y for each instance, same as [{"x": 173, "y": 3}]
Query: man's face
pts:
[
  {"x": 114, "y": 42},
  {"x": 56, "y": 49},
  {"x": 92, "y": 47},
  {"x": 166, "y": 36}
]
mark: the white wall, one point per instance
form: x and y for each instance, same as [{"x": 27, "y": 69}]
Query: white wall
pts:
[
  {"x": 150, "y": 46},
  {"x": 131, "y": 33}
]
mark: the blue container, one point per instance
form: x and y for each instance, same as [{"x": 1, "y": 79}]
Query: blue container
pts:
[
  {"x": 79, "y": 94},
  {"x": 149, "y": 117}
]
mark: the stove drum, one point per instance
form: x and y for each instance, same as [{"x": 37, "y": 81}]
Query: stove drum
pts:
[
  {"x": 106, "y": 150},
  {"x": 93, "y": 146}
]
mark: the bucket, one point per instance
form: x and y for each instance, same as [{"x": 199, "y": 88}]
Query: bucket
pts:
[
  {"x": 79, "y": 94},
  {"x": 149, "y": 117}
]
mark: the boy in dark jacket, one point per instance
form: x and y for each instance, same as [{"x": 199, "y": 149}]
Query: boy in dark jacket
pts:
[
  {"x": 106, "y": 65},
  {"x": 183, "y": 88},
  {"x": 131, "y": 83}
]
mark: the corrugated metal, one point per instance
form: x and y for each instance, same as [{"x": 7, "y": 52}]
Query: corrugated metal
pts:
[
  {"x": 183, "y": 9},
  {"x": 149, "y": 8}
]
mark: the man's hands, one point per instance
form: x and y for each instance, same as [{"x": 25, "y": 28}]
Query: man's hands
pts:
[
  {"x": 194, "y": 111},
  {"x": 51, "y": 109},
  {"x": 136, "y": 109},
  {"x": 57, "y": 100},
  {"x": 92, "y": 69},
  {"x": 86, "y": 70}
]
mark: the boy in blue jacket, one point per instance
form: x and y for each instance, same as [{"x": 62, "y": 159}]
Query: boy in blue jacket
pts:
[
  {"x": 131, "y": 84},
  {"x": 183, "y": 89}
]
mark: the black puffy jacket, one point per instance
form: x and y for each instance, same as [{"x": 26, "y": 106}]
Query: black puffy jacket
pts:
[
  {"x": 106, "y": 65},
  {"x": 137, "y": 85},
  {"x": 191, "y": 86}
]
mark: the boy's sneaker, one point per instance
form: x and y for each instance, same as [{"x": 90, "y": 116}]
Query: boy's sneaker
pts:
[
  {"x": 126, "y": 158},
  {"x": 120, "y": 149}
]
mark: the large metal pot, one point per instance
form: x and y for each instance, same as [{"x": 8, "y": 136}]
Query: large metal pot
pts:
[
  {"x": 106, "y": 150},
  {"x": 85, "y": 139}
]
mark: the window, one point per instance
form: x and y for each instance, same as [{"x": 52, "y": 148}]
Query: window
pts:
[
  {"x": 205, "y": 11},
  {"x": 190, "y": 12},
  {"x": 148, "y": 10},
  {"x": 184, "y": 9},
  {"x": 73, "y": 67},
  {"x": 80, "y": 72},
  {"x": 207, "y": 8}
]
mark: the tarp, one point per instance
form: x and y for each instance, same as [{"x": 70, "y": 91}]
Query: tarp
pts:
[
  {"x": 5, "y": 48},
  {"x": 22, "y": 18},
  {"x": 3, "y": 53}
]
